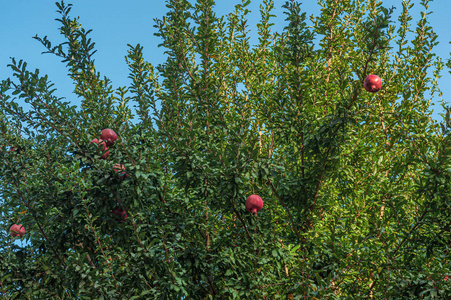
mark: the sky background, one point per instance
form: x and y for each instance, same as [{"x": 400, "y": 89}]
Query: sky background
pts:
[{"x": 118, "y": 23}]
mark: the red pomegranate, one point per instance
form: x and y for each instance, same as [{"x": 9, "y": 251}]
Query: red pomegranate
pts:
[
  {"x": 17, "y": 230},
  {"x": 120, "y": 168},
  {"x": 254, "y": 203},
  {"x": 372, "y": 83},
  {"x": 104, "y": 147},
  {"x": 122, "y": 214},
  {"x": 109, "y": 136},
  {"x": 11, "y": 149}
]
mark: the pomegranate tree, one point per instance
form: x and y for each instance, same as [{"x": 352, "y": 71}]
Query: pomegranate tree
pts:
[{"x": 254, "y": 203}]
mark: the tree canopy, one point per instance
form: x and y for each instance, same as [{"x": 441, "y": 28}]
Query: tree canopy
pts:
[{"x": 355, "y": 184}]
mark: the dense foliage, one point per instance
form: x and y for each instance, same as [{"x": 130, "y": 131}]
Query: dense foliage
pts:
[{"x": 356, "y": 185}]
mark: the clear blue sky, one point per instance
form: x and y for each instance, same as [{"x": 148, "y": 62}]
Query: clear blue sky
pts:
[{"x": 118, "y": 23}]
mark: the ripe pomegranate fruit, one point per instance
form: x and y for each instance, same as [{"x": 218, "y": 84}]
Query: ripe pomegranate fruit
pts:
[
  {"x": 104, "y": 147},
  {"x": 254, "y": 203},
  {"x": 372, "y": 83},
  {"x": 95, "y": 141},
  {"x": 11, "y": 149},
  {"x": 109, "y": 136},
  {"x": 120, "y": 168},
  {"x": 122, "y": 214},
  {"x": 17, "y": 230}
]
